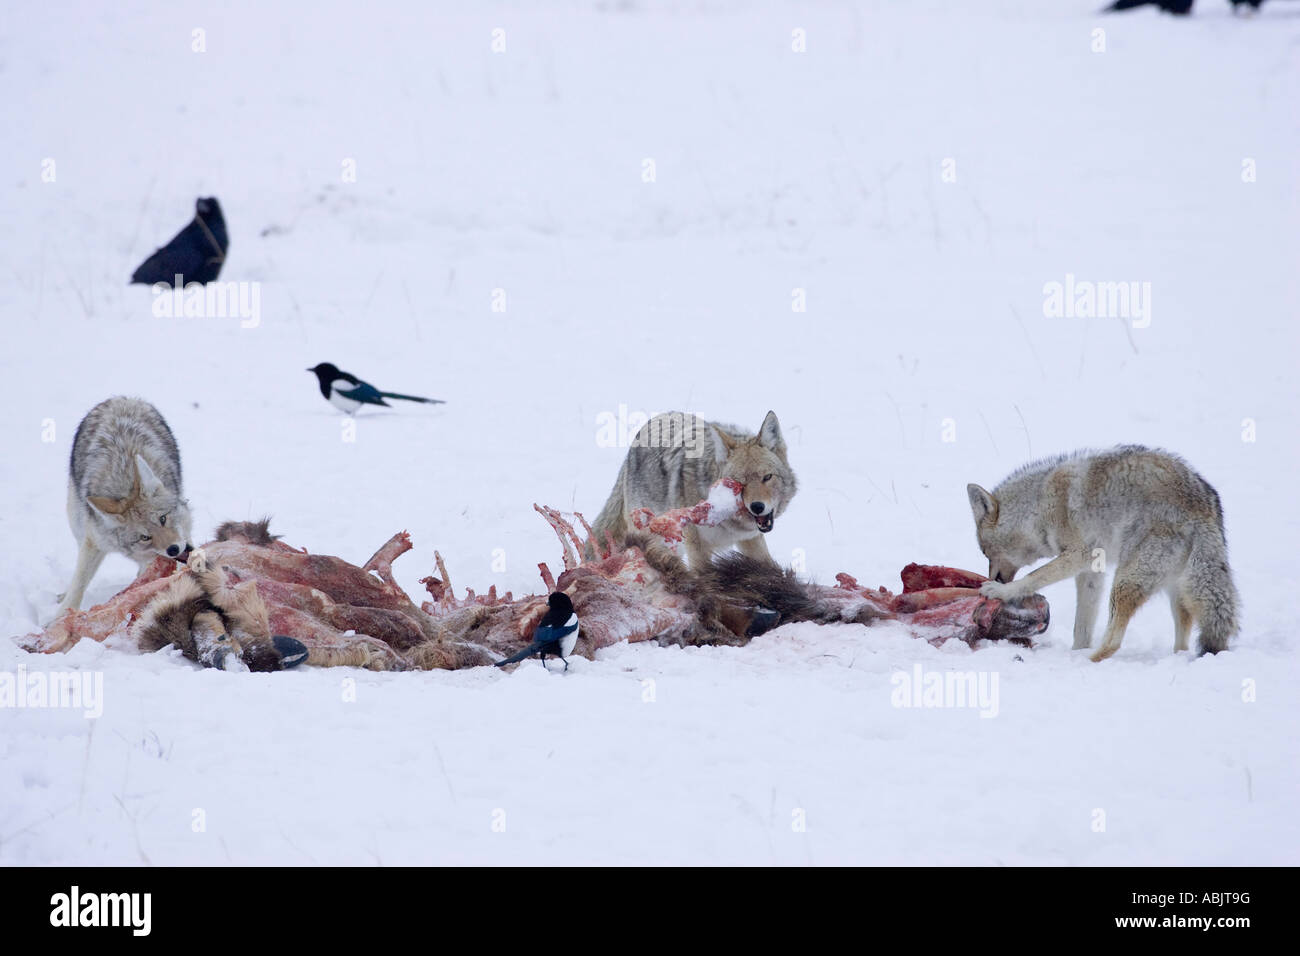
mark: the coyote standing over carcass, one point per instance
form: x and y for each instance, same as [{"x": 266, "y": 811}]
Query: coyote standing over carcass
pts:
[{"x": 675, "y": 460}]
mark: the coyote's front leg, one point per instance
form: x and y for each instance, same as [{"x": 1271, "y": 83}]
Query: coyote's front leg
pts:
[
  {"x": 89, "y": 558},
  {"x": 1088, "y": 588},
  {"x": 699, "y": 555},
  {"x": 1063, "y": 566},
  {"x": 755, "y": 547}
]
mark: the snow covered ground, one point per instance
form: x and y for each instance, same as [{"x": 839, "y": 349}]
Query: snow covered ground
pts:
[{"x": 921, "y": 171}]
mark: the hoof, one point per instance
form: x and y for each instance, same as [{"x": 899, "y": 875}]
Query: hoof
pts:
[
  {"x": 292, "y": 652},
  {"x": 225, "y": 659},
  {"x": 763, "y": 621}
]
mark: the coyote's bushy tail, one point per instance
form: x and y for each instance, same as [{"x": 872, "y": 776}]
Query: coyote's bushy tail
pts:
[{"x": 1208, "y": 588}]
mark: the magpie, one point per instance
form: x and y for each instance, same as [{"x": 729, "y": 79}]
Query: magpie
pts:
[
  {"x": 346, "y": 392},
  {"x": 556, "y": 634}
]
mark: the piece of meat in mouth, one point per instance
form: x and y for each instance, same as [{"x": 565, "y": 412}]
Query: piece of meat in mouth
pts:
[{"x": 765, "y": 522}]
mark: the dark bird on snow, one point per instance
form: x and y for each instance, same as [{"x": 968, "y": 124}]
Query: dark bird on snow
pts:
[
  {"x": 347, "y": 393},
  {"x": 1179, "y": 7},
  {"x": 556, "y": 634},
  {"x": 196, "y": 253}
]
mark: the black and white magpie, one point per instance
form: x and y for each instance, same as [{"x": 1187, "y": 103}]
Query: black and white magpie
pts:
[
  {"x": 347, "y": 393},
  {"x": 556, "y": 634}
]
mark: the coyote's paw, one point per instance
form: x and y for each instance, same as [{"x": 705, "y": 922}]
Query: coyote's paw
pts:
[{"x": 999, "y": 591}]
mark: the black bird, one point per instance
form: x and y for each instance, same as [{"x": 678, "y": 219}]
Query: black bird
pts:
[
  {"x": 196, "y": 253},
  {"x": 1180, "y": 7},
  {"x": 556, "y": 635},
  {"x": 346, "y": 392}
]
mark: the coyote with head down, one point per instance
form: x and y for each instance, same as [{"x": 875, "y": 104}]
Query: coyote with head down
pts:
[
  {"x": 1141, "y": 512},
  {"x": 124, "y": 491}
]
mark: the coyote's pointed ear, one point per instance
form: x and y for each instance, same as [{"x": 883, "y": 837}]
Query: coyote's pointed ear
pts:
[
  {"x": 108, "y": 506},
  {"x": 770, "y": 437},
  {"x": 723, "y": 444},
  {"x": 982, "y": 504},
  {"x": 148, "y": 480}
]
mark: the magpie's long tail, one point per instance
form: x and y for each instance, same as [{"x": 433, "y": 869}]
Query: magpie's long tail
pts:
[
  {"x": 528, "y": 651},
  {"x": 413, "y": 398}
]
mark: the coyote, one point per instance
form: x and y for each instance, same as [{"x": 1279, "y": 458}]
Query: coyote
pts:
[
  {"x": 124, "y": 491},
  {"x": 1141, "y": 511},
  {"x": 673, "y": 462}
]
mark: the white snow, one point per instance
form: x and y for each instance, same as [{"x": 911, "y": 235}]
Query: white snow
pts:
[{"x": 518, "y": 178}]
